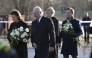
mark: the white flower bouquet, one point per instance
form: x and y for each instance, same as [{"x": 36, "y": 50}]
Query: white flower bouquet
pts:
[
  {"x": 19, "y": 34},
  {"x": 68, "y": 29}
]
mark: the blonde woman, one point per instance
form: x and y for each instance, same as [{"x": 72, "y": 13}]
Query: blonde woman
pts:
[{"x": 50, "y": 12}]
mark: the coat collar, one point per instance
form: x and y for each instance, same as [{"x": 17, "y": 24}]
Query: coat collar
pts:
[
  {"x": 40, "y": 24},
  {"x": 70, "y": 18}
]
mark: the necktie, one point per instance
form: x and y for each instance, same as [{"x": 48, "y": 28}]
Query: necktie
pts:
[{"x": 38, "y": 22}]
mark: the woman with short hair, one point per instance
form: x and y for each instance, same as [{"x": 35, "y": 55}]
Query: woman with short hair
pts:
[{"x": 50, "y": 12}]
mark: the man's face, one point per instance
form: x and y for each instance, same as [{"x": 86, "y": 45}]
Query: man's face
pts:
[
  {"x": 36, "y": 14},
  {"x": 69, "y": 13},
  {"x": 86, "y": 15}
]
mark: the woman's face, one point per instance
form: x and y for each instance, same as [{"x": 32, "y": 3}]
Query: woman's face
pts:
[
  {"x": 14, "y": 18},
  {"x": 48, "y": 14}
]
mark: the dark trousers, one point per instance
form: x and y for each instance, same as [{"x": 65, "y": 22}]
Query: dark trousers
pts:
[
  {"x": 54, "y": 54},
  {"x": 21, "y": 50},
  {"x": 67, "y": 56},
  {"x": 42, "y": 51},
  {"x": 91, "y": 55},
  {"x": 86, "y": 31}
]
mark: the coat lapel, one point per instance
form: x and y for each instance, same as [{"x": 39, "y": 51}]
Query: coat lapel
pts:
[
  {"x": 40, "y": 24},
  {"x": 35, "y": 26}
]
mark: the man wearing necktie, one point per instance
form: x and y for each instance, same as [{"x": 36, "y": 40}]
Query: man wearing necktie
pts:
[{"x": 42, "y": 34}]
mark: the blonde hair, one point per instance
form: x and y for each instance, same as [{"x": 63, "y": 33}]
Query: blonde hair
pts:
[{"x": 51, "y": 10}]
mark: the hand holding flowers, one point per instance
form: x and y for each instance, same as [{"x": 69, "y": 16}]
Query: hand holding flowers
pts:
[
  {"x": 68, "y": 29},
  {"x": 19, "y": 34}
]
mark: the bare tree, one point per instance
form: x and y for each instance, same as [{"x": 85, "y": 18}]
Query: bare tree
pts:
[{"x": 26, "y": 6}]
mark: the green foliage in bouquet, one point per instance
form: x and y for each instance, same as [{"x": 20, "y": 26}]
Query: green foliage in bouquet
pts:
[{"x": 68, "y": 29}]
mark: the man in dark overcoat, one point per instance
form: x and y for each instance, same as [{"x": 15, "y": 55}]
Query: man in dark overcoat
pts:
[
  {"x": 69, "y": 46},
  {"x": 42, "y": 34}
]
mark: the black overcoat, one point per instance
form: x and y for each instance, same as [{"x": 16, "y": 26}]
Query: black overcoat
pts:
[
  {"x": 69, "y": 47},
  {"x": 21, "y": 48},
  {"x": 43, "y": 36}
]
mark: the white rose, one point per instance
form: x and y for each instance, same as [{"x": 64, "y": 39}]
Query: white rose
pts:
[
  {"x": 22, "y": 36},
  {"x": 18, "y": 29},
  {"x": 25, "y": 34},
  {"x": 25, "y": 40},
  {"x": 27, "y": 30},
  {"x": 21, "y": 28},
  {"x": 17, "y": 32},
  {"x": 12, "y": 33},
  {"x": 66, "y": 28}
]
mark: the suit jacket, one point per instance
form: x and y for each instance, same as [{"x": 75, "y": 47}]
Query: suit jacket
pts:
[
  {"x": 69, "y": 47},
  {"x": 44, "y": 33},
  {"x": 86, "y": 19}
]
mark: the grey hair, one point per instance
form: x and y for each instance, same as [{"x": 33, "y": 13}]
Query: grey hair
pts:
[
  {"x": 86, "y": 13},
  {"x": 39, "y": 9}
]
